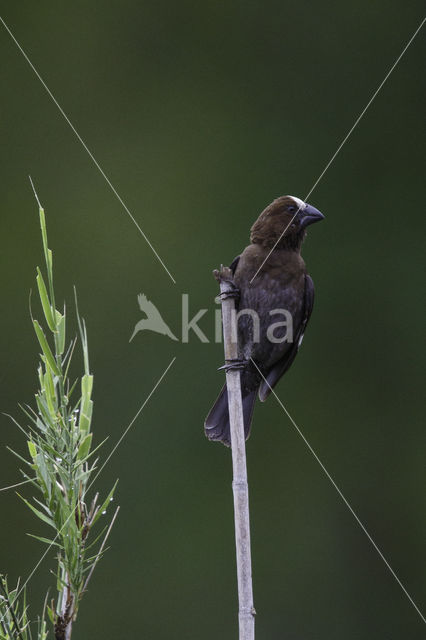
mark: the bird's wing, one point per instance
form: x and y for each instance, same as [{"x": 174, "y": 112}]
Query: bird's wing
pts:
[
  {"x": 284, "y": 364},
  {"x": 234, "y": 264}
]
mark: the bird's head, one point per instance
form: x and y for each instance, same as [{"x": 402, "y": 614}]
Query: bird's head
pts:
[{"x": 284, "y": 220}]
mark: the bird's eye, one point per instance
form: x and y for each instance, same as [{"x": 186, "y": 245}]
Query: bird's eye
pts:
[{"x": 291, "y": 209}]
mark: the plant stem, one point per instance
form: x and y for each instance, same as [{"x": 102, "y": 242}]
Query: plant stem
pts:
[
  {"x": 17, "y": 631},
  {"x": 246, "y": 610}
]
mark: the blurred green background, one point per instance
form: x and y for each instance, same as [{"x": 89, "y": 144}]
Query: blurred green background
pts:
[{"x": 201, "y": 113}]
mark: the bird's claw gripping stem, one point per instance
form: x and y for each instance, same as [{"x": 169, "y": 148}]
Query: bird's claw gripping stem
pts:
[
  {"x": 236, "y": 364},
  {"x": 233, "y": 293},
  {"x": 224, "y": 274}
]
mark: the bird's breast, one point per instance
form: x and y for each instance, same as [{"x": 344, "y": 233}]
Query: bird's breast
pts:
[{"x": 274, "y": 295}]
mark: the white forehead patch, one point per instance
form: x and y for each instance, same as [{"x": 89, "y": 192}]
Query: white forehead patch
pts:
[{"x": 299, "y": 202}]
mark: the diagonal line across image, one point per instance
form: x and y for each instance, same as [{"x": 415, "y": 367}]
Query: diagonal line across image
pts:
[
  {"x": 347, "y": 504},
  {"x": 345, "y": 139},
  {"x": 90, "y": 154}
]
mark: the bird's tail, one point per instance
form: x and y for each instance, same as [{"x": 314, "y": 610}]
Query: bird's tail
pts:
[{"x": 216, "y": 425}]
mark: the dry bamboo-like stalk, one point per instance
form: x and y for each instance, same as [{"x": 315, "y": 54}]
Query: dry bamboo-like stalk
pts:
[{"x": 246, "y": 610}]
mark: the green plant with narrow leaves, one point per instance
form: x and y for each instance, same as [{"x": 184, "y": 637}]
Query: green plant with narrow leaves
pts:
[
  {"x": 14, "y": 616},
  {"x": 62, "y": 463}
]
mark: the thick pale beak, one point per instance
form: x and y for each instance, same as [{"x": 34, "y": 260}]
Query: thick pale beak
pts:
[{"x": 309, "y": 215}]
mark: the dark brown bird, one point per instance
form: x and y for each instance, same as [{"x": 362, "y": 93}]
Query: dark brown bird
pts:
[{"x": 276, "y": 297}]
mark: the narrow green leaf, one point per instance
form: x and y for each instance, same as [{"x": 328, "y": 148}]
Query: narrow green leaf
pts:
[
  {"x": 97, "y": 447},
  {"x": 49, "y": 408},
  {"x": 98, "y": 537},
  {"x": 84, "y": 448},
  {"x": 46, "y": 540},
  {"x": 50, "y": 391},
  {"x": 32, "y": 449},
  {"x": 38, "y": 513},
  {"x": 45, "y": 348},
  {"x": 50, "y": 262},
  {"x": 86, "y": 385},
  {"x": 51, "y": 614},
  {"x": 21, "y": 458},
  {"x": 43, "y": 230},
  {"x": 43, "y": 472},
  {"x": 29, "y": 412},
  {"x": 86, "y": 407},
  {"x": 44, "y": 506},
  {"x": 86, "y": 410},
  {"x": 60, "y": 323},
  {"x": 49, "y": 418},
  {"x": 105, "y": 503},
  {"x": 40, "y": 375},
  {"x": 70, "y": 392},
  {"x": 45, "y": 302},
  {"x": 41, "y": 425}
]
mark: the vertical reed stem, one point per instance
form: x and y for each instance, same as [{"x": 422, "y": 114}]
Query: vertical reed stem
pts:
[{"x": 246, "y": 610}]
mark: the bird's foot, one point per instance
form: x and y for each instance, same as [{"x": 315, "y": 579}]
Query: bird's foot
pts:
[
  {"x": 224, "y": 274},
  {"x": 233, "y": 292},
  {"x": 236, "y": 364}
]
